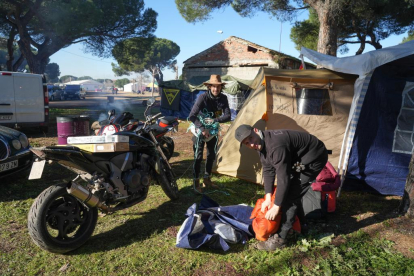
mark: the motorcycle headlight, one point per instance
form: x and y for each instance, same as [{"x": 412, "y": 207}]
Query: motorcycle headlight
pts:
[
  {"x": 16, "y": 144},
  {"x": 23, "y": 140}
]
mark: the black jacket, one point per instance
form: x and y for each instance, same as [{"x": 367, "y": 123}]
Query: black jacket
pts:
[
  {"x": 218, "y": 106},
  {"x": 282, "y": 149}
]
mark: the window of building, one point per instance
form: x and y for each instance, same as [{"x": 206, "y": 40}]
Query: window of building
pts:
[
  {"x": 251, "y": 49},
  {"x": 404, "y": 132},
  {"x": 313, "y": 101}
]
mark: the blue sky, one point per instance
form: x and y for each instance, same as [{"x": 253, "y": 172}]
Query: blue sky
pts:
[{"x": 194, "y": 38}]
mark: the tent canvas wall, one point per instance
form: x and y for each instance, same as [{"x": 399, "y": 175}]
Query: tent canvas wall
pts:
[
  {"x": 379, "y": 139},
  {"x": 315, "y": 101}
]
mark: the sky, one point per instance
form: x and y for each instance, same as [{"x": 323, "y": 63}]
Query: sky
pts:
[{"x": 260, "y": 29}]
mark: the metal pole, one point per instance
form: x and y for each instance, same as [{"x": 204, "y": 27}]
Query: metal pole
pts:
[{"x": 280, "y": 39}]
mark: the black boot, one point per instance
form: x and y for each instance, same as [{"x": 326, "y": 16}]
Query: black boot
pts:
[{"x": 272, "y": 243}]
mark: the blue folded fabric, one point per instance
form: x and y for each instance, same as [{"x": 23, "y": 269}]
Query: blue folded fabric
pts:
[{"x": 215, "y": 226}]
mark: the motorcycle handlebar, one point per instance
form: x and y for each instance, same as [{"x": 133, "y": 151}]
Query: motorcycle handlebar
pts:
[{"x": 156, "y": 116}]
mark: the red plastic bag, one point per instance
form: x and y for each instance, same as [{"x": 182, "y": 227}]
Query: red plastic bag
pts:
[{"x": 263, "y": 227}]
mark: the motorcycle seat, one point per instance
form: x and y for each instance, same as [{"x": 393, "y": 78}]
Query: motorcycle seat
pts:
[{"x": 168, "y": 120}]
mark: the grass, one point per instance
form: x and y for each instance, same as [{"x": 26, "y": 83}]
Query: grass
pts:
[{"x": 141, "y": 240}]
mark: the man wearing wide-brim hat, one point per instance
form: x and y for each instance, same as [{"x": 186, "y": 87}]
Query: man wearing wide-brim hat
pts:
[{"x": 210, "y": 108}]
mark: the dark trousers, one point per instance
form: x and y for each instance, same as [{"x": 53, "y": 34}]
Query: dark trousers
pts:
[
  {"x": 299, "y": 185},
  {"x": 198, "y": 154}
]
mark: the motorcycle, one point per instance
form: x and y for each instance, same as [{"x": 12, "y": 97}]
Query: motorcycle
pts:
[
  {"x": 63, "y": 217},
  {"x": 158, "y": 126}
]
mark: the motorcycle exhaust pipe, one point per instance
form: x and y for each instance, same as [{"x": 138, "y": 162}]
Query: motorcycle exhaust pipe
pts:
[{"x": 85, "y": 196}]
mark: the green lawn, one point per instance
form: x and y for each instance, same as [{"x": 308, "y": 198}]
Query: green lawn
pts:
[{"x": 141, "y": 240}]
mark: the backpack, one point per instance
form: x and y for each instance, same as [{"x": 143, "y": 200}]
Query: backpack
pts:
[{"x": 321, "y": 198}]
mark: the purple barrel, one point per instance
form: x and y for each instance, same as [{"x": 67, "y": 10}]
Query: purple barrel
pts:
[
  {"x": 81, "y": 125},
  {"x": 64, "y": 129}
]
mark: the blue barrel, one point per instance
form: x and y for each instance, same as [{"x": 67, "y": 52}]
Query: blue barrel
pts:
[{"x": 64, "y": 129}]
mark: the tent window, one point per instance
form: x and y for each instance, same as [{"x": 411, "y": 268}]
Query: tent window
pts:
[
  {"x": 404, "y": 132},
  {"x": 313, "y": 102}
]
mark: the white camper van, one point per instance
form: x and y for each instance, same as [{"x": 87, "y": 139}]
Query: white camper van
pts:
[{"x": 24, "y": 100}]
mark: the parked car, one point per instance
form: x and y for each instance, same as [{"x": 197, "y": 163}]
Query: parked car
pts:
[
  {"x": 55, "y": 92},
  {"x": 73, "y": 91},
  {"x": 24, "y": 100},
  {"x": 15, "y": 155}
]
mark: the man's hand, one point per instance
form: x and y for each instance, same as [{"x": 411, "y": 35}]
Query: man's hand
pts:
[
  {"x": 206, "y": 133},
  {"x": 272, "y": 212},
  {"x": 267, "y": 203}
]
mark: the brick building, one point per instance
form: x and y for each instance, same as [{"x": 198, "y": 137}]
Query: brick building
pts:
[{"x": 237, "y": 57}]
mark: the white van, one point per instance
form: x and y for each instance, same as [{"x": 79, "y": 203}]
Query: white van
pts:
[{"x": 24, "y": 100}]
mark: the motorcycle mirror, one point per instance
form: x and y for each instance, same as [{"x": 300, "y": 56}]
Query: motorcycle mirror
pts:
[
  {"x": 104, "y": 122},
  {"x": 151, "y": 101}
]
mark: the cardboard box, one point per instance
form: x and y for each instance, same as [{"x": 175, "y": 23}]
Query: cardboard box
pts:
[
  {"x": 98, "y": 139},
  {"x": 108, "y": 147}
]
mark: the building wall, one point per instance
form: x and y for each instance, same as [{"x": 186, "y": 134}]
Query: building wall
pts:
[
  {"x": 245, "y": 73},
  {"x": 233, "y": 57},
  {"x": 231, "y": 52}
]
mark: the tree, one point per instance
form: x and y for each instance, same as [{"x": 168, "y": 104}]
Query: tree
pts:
[
  {"x": 305, "y": 33},
  {"x": 49, "y": 26},
  {"x": 334, "y": 17},
  {"x": 85, "y": 78},
  {"x": 4, "y": 58},
  {"x": 407, "y": 206},
  {"x": 362, "y": 22},
  {"x": 121, "y": 82},
  {"x": 67, "y": 78},
  {"x": 139, "y": 54},
  {"x": 52, "y": 72},
  {"x": 409, "y": 37}
]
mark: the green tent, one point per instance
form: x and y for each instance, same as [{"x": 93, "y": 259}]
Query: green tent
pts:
[{"x": 234, "y": 86}]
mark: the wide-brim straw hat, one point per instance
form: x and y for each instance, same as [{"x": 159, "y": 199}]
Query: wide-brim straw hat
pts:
[{"x": 214, "y": 79}]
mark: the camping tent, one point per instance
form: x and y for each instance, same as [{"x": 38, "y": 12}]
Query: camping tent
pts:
[
  {"x": 178, "y": 97},
  {"x": 380, "y": 131},
  {"x": 315, "y": 101}
]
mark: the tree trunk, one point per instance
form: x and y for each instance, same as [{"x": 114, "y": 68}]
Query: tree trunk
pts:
[
  {"x": 10, "y": 50},
  {"x": 328, "y": 29},
  {"x": 17, "y": 64},
  {"x": 405, "y": 206}
]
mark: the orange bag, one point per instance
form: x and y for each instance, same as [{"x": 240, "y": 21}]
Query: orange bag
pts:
[{"x": 263, "y": 227}]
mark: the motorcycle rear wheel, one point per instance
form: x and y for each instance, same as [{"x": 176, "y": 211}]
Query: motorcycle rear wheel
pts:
[
  {"x": 168, "y": 182},
  {"x": 167, "y": 146},
  {"x": 58, "y": 222}
]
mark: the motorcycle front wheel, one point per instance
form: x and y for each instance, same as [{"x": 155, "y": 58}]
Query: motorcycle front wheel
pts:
[
  {"x": 167, "y": 146},
  {"x": 168, "y": 182},
  {"x": 58, "y": 222}
]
